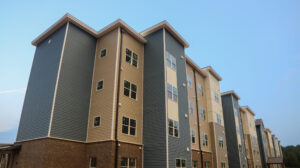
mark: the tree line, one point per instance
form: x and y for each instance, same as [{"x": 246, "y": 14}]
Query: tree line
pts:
[{"x": 291, "y": 156}]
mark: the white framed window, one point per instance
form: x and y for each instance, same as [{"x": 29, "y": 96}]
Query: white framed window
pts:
[
  {"x": 100, "y": 85},
  {"x": 171, "y": 61},
  {"x": 202, "y": 113},
  {"x": 97, "y": 121},
  {"x": 200, "y": 89},
  {"x": 131, "y": 58},
  {"x": 130, "y": 90},
  {"x": 221, "y": 142},
  {"x": 204, "y": 139},
  {"x": 206, "y": 164},
  {"x": 191, "y": 107},
  {"x": 180, "y": 163},
  {"x": 103, "y": 53},
  {"x": 216, "y": 97},
  {"x": 193, "y": 134},
  {"x": 219, "y": 119},
  {"x": 195, "y": 164},
  {"x": 223, "y": 165},
  {"x": 189, "y": 81},
  {"x": 93, "y": 162},
  {"x": 172, "y": 92},
  {"x": 128, "y": 126},
  {"x": 128, "y": 162},
  {"x": 173, "y": 128}
]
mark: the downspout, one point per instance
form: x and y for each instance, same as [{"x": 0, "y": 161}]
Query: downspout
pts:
[
  {"x": 118, "y": 99},
  {"x": 198, "y": 122}
]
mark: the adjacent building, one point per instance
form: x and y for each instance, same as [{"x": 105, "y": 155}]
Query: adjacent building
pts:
[
  {"x": 233, "y": 130},
  {"x": 262, "y": 142},
  {"x": 251, "y": 142}
]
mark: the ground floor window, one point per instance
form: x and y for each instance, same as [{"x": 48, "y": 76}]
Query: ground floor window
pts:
[
  {"x": 223, "y": 165},
  {"x": 128, "y": 162},
  {"x": 194, "y": 164},
  {"x": 93, "y": 162},
  {"x": 180, "y": 163},
  {"x": 206, "y": 164}
]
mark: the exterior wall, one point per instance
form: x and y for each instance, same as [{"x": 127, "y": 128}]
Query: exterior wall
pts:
[
  {"x": 196, "y": 157},
  {"x": 270, "y": 144},
  {"x": 262, "y": 142},
  {"x": 105, "y": 69},
  {"x": 129, "y": 107},
  {"x": 71, "y": 109},
  {"x": 216, "y": 130},
  {"x": 36, "y": 113},
  {"x": 177, "y": 147},
  {"x": 154, "y": 119},
  {"x": 234, "y": 135}
]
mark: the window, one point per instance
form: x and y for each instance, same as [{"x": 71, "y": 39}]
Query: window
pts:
[
  {"x": 189, "y": 81},
  {"x": 191, "y": 108},
  {"x": 103, "y": 53},
  {"x": 216, "y": 97},
  {"x": 219, "y": 120},
  {"x": 235, "y": 111},
  {"x": 206, "y": 164},
  {"x": 204, "y": 140},
  {"x": 172, "y": 92},
  {"x": 131, "y": 57},
  {"x": 128, "y": 162},
  {"x": 100, "y": 85},
  {"x": 221, "y": 142},
  {"x": 200, "y": 89},
  {"x": 222, "y": 165},
  {"x": 250, "y": 124},
  {"x": 180, "y": 163},
  {"x": 93, "y": 162},
  {"x": 194, "y": 164},
  {"x": 193, "y": 136},
  {"x": 202, "y": 113},
  {"x": 128, "y": 126},
  {"x": 171, "y": 61},
  {"x": 173, "y": 128},
  {"x": 130, "y": 89},
  {"x": 96, "y": 121}
]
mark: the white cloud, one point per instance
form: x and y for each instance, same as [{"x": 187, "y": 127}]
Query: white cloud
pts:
[{"x": 11, "y": 103}]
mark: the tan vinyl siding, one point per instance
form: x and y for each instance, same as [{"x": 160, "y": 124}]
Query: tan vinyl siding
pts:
[
  {"x": 129, "y": 107},
  {"x": 102, "y": 101},
  {"x": 172, "y": 106}
]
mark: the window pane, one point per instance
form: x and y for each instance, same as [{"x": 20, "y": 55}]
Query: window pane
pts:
[
  {"x": 103, "y": 52},
  {"x": 183, "y": 163},
  {"x": 125, "y": 129},
  {"x": 128, "y": 51},
  {"x": 126, "y": 84},
  {"x": 133, "y": 87},
  {"x": 97, "y": 121},
  {"x": 100, "y": 85},
  {"x": 125, "y": 121},
  {"x": 170, "y": 123},
  {"x": 132, "y": 123},
  {"x": 175, "y": 94},
  {"x": 168, "y": 63},
  {"x": 93, "y": 162},
  {"x": 178, "y": 164},
  {"x": 170, "y": 91},
  {"x": 128, "y": 58},
  {"x": 173, "y": 66},
  {"x": 135, "y": 56},
  {"x": 176, "y": 132},
  {"x": 132, "y": 130},
  {"x": 134, "y": 63},
  {"x": 124, "y": 162},
  {"x": 126, "y": 92},
  {"x": 133, "y": 95},
  {"x": 131, "y": 162},
  {"x": 175, "y": 124},
  {"x": 171, "y": 131}
]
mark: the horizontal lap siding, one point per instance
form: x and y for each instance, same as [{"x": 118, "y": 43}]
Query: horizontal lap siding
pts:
[
  {"x": 72, "y": 102},
  {"x": 37, "y": 106}
]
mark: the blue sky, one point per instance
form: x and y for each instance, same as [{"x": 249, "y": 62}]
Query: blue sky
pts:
[{"x": 254, "y": 45}]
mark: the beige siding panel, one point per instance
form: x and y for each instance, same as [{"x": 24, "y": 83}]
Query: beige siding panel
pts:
[
  {"x": 171, "y": 77},
  {"x": 129, "y": 107},
  {"x": 173, "y": 110},
  {"x": 102, "y": 101}
]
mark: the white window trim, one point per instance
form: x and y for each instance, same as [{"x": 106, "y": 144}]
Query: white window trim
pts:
[
  {"x": 137, "y": 88},
  {"x": 171, "y": 56},
  {"x": 129, "y": 127},
  {"x": 181, "y": 162},
  {"x": 137, "y": 67}
]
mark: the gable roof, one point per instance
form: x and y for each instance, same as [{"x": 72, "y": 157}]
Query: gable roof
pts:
[
  {"x": 69, "y": 18},
  {"x": 171, "y": 30},
  {"x": 195, "y": 66},
  {"x": 247, "y": 108}
]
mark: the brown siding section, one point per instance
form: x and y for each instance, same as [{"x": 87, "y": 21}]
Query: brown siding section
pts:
[{"x": 196, "y": 156}]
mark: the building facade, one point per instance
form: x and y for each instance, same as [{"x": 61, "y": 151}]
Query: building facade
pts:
[
  {"x": 262, "y": 142},
  {"x": 233, "y": 130},
  {"x": 251, "y": 142}
]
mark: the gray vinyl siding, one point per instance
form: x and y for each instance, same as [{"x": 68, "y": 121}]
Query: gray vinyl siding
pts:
[
  {"x": 154, "y": 114},
  {"x": 262, "y": 143},
  {"x": 230, "y": 131},
  {"x": 35, "y": 117},
  {"x": 70, "y": 116},
  {"x": 178, "y": 146}
]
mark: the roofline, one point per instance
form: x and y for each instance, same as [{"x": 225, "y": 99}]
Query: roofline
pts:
[
  {"x": 69, "y": 18},
  {"x": 166, "y": 25},
  {"x": 213, "y": 72},
  {"x": 248, "y": 109},
  {"x": 231, "y": 92},
  {"x": 259, "y": 121},
  {"x": 195, "y": 66},
  {"x": 268, "y": 130}
]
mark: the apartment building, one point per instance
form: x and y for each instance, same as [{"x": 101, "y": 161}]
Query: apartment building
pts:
[
  {"x": 233, "y": 130},
  {"x": 208, "y": 139},
  {"x": 262, "y": 141},
  {"x": 251, "y": 142}
]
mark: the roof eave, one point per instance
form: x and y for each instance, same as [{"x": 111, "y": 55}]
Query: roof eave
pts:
[
  {"x": 213, "y": 72},
  {"x": 195, "y": 66},
  {"x": 232, "y": 93}
]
